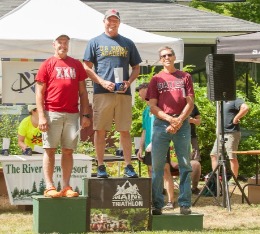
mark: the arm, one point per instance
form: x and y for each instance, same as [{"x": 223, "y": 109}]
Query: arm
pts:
[
  {"x": 134, "y": 74},
  {"x": 175, "y": 122},
  {"x": 140, "y": 151},
  {"x": 40, "y": 92},
  {"x": 242, "y": 112},
  {"x": 110, "y": 86},
  {"x": 21, "y": 143},
  {"x": 84, "y": 104},
  {"x": 196, "y": 120}
]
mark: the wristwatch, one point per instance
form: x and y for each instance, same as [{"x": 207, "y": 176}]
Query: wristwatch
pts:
[{"x": 87, "y": 116}]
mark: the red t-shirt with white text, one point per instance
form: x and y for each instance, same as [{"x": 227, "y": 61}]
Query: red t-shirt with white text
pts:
[{"x": 62, "y": 77}]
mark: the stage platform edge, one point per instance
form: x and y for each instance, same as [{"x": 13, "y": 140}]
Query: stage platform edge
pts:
[{"x": 177, "y": 222}]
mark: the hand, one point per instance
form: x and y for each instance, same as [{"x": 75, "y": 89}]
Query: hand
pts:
[
  {"x": 140, "y": 155},
  {"x": 236, "y": 120},
  {"x": 191, "y": 120},
  {"x": 85, "y": 122},
  {"x": 127, "y": 85},
  {"x": 176, "y": 124},
  {"x": 43, "y": 124},
  {"x": 171, "y": 129},
  {"x": 110, "y": 86}
]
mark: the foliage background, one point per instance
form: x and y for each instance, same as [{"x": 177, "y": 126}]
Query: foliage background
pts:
[
  {"x": 248, "y": 10},
  {"x": 207, "y": 130}
]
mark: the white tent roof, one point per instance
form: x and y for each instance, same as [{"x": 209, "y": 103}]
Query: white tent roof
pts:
[{"x": 28, "y": 31}]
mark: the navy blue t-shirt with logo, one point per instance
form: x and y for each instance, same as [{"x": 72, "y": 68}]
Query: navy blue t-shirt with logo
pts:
[{"x": 107, "y": 53}]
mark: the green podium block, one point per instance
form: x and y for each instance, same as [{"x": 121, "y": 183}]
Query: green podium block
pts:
[
  {"x": 60, "y": 215},
  {"x": 177, "y": 222}
]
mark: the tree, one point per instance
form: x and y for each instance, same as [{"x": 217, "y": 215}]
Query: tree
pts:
[
  {"x": 34, "y": 189},
  {"x": 249, "y": 10}
]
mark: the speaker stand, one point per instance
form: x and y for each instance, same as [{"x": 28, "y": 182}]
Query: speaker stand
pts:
[{"x": 222, "y": 167}]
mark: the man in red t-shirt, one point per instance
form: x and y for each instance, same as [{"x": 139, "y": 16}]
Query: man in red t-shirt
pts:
[
  {"x": 171, "y": 99},
  {"x": 60, "y": 83}
]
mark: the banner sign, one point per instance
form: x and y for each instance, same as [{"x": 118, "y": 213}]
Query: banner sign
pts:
[
  {"x": 24, "y": 176},
  {"x": 18, "y": 82}
]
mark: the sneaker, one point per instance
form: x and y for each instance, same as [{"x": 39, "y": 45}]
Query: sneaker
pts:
[
  {"x": 195, "y": 191},
  {"x": 102, "y": 173},
  {"x": 52, "y": 192},
  {"x": 68, "y": 192},
  {"x": 169, "y": 206},
  {"x": 130, "y": 172},
  {"x": 156, "y": 211},
  {"x": 185, "y": 210}
]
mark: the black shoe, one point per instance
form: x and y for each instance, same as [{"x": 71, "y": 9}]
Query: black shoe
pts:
[
  {"x": 195, "y": 191},
  {"x": 156, "y": 211},
  {"x": 185, "y": 210},
  {"x": 102, "y": 173}
]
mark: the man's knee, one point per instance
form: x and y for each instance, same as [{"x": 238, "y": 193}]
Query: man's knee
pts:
[{"x": 196, "y": 166}]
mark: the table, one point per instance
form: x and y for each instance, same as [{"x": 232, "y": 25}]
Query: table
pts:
[
  {"x": 24, "y": 175},
  {"x": 255, "y": 153},
  {"x": 112, "y": 158}
]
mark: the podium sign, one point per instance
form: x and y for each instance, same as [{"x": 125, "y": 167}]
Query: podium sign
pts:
[
  {"x": 24, "y": 176},
  {"x": 118, "y": 204}
]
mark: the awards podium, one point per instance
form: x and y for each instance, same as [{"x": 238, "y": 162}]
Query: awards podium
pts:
[{"x": 108, "y": 205}]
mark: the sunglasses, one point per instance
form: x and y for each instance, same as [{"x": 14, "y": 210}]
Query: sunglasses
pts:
[{"x": 164, "y": 56}]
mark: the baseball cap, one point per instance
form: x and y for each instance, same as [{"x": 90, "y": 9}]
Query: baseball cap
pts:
[
  {"x": 61, "y": 35},
  {"x": 112, "y": 12},
  {"x": 31, "y": 107},
  {"x": 142, "y": 86}
]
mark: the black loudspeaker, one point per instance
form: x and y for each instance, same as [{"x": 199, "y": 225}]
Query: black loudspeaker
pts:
[{"x": 221, "y": 84}]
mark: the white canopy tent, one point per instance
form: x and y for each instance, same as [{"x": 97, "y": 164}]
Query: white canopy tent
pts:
[{"x": 28, "y": 31}]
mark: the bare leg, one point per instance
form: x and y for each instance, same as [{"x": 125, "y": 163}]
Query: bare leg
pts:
[
  {"x": 149, "y": 169},
  {"x": 48, "y": 166},
  {"x": 196, "y": 172},
  {"x": 234, "y": 166},
  {"x": 100, "y": 144},
  {"x": 214, "y": 161},
  {"x": 168, "y": 183},
  {"x": 126, "y": 142},
  {"x": 66, "y": 165}
]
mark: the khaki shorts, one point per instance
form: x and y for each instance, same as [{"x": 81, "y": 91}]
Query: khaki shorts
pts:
[
  {"x": 62, "y": 129},
  {"x": 109, "y": 107},
  {"x": 231, "y": 144}
]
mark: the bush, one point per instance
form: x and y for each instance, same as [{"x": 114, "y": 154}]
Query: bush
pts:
[{"x": 8, "y": 129}]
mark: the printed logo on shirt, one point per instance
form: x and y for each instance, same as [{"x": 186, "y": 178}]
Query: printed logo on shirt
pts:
[
  {"x": 170, "y": 85},
  {"x": 65, "y": 73},
  {"x": 118, "y": 51},
  {"x": 37, "y": 139}
]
